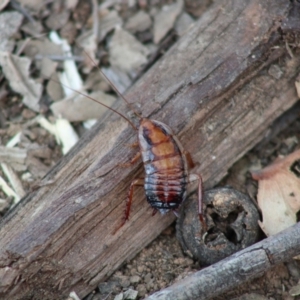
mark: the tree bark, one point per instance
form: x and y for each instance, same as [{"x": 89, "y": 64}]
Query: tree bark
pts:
[
  {"x": 235, "y": 269},
  {"x": 219, "y": 88}
]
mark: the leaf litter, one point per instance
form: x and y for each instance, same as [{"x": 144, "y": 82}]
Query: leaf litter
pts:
[
  {"x": 16, "y": 71},
  {"x": 10, "y": 22},
  {"x": 41, "y": 128},
  {"x": 279, "y": 193}
]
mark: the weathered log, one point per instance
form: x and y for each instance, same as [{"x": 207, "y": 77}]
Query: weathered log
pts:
[
  {"x": 216, "y": 88},
  {"x": 238, "y": 268}
]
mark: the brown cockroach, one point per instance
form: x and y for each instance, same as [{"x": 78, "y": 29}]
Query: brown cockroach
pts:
[{"x": 165, "y": 161}]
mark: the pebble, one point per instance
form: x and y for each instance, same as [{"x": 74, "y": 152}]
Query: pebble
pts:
[
  {"x": 168, "y": 276},
  {"x": 140, "y": 269},
  {"x": 28, "y": 114},
  {"x": 130, "y": 294},
  {"x": 183, "y": 261},
  {"x": 119, "y": 297},
  {"x": 147, "y": 277},
  {"x": 123, "y": 280},
  {"x": 179, "y": 261},
  {"x": 135, "y": 279},
  {"x": 107, "y": 287},
  {"x": 133, "y": 271},
  {"x": 150, "y": 285},
  {"x": 141, "y": 288}
]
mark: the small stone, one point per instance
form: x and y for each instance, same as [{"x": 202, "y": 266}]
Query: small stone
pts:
[
  {"x": 119, "y": 297},
  {"x": 150, "y": 285},
  {"x": 148, "y": 277},
  {"x": 141, "y": 288},
  {"x": 28, "y": 114},
  {"x": 135, "y": 279},
  {"x": 133, "y": 271},
  {"x": 168, "y": 276},
  {"x": 107, "y": 287},
  {"x": 179, "y": 261},
  {"x": 130, "y": 294},
  {"x": 140, "y": 269},
  {"x": 125, "y": 282},
  {"x": 275, "y": 71},
  {"x": 162, "y": 284}
]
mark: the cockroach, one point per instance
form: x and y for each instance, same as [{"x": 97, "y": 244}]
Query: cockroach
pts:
[{"x": 166, "y": 165}]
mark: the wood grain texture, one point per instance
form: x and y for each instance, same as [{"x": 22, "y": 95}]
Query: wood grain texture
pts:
[{"x": 213, "y": 88}]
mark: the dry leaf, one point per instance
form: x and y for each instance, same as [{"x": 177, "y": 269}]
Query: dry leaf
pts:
[
  {"x": 279, "y": 193},
  {"x": 126, "y": 52},
  {"x": 95, "y": 81},
  {"x": 16, "y": 71},
  {"x": 88, "y": 42},
  {"x": 183, "y": 23},
  {"x": 119, "y": 78},
  {"x": 48, "y": 67},
  {"x": 58, "y": 20},
  {"x": 15, "y": 157},
  {"x": 297, "y": 84},
  {"x": 33, "y": 5},
  {"x": 108, "y": 20},
  {"x": 55, "y": 90},
  {"x": 9, "y": 24},
  {"x": 42, "y": 48},
  {"x": 165, "y": 19},
  {"x": 3, "y": 3},
  {"x": 79, "y": 108},
  {"x": 140, "y": 22}
]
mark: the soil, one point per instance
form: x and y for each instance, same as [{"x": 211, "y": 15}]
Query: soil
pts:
[{"x": 162, "y": 262}]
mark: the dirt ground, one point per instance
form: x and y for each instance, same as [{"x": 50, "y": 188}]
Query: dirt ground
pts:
[{"x": 152, "y": 26}]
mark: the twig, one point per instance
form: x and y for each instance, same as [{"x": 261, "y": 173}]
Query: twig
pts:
[
  {"x": 238, "y": 268},
  {"x": 22, "y": 10},
  {"x": 95, "y": 20},
  {"x": 59, "y": 57}
]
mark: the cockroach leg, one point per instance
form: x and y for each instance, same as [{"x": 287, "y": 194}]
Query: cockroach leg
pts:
[
  {"x": 196, "y": 177},
  {"x": 136, "y": 182},
  {"x": 133, "y": 161},
  {"x": 154, "y": 211}
]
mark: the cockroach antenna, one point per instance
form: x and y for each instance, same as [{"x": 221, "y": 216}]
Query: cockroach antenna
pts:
[{"x": 114, "y": 87}]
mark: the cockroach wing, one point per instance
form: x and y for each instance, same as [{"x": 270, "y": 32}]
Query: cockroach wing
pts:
[{"x": 279, "y": 193}]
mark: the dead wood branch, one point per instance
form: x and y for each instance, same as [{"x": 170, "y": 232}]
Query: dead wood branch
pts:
[{"x": 213, "y": 88}]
